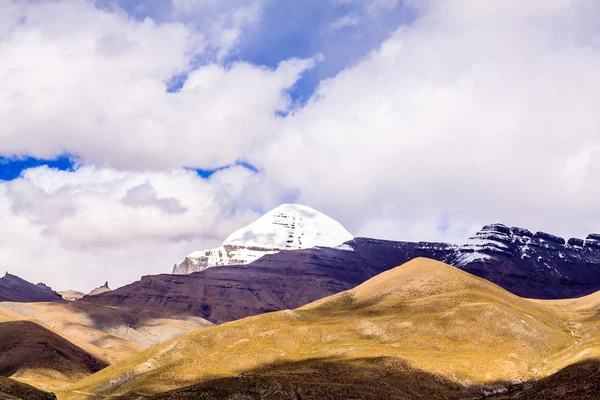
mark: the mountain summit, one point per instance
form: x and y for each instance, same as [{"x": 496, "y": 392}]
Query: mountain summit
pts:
[{"x": 287, "y": 227}]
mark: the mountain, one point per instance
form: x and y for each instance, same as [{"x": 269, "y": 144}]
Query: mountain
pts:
[
  {"x": 39, "y": 356},
  {"x": 423, "y": 317},
  {"x": 13, "y": 288},
  {"x": 530, "y": 265},
  {"x": 539, "y": 265},
  {"x": 287, "y": 227},
  {"x": 288, "y": 279}
]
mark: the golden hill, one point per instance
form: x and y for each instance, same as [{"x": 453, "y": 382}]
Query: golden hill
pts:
[
  {"x": 434, "y": 317},
  {"x": 109, "y": 333}
]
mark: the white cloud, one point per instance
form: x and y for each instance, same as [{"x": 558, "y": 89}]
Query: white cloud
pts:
[
  {"x": 344, "y": 22},
  {"x": 472, "y": 111},
  {"x": 77, "y": 79},
  {"x": 223, "y": 21},
  {"x": 75, "y": 229}
]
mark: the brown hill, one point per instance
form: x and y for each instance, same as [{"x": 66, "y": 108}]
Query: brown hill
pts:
[
  {"x": 434, "y": 317},
  {"x": 580, "y": 381},
  {"x": 37, "y": 355},
  {"x": 13, "y": 390}
]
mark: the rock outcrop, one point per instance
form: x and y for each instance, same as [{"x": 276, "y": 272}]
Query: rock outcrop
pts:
[
  {"x": 101, "y": 289},
  {"x": 539, "y": 265}
]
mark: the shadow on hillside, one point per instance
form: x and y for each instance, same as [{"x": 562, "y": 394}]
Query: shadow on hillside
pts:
[
  {"x": 579, "y": 381},
  {"x": 328, "y": 379},
  {"x": 24, "y": 344},
  {"x": 381, "y": 378}
]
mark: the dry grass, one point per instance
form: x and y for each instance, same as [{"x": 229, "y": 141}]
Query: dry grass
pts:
[
  {"x": 109, "y": 333},
  {"x": 439, "y": 319},
  {"x": 11, "y": 389}
]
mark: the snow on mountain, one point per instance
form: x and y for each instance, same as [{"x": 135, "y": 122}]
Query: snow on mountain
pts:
[
  {"x": 497, "y": 242},
  {"x": 287, "y": 227}
]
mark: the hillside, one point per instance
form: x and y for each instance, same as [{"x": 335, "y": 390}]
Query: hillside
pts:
[
  {"x": 110, "y": 334},
  {"x": 36, "y": 355},
  {"x": 286, "y": 280},
  {"x": 435, "y": 317},
  {"x": 14, "y": 390}
]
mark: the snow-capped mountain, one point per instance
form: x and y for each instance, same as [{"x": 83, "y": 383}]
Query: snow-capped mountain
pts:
[
  {"x": 287, "y": 227},
  {"x": 536, "y": 265}
]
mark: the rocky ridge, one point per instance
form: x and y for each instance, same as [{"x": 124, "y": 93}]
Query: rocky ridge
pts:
[
  {"x": 13, "y": 288},
  {"x": 530, "y": 265},
  {"x": 538, "y": 265}
]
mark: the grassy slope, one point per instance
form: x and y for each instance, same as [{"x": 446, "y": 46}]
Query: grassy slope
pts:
[
  {"x": 11, "y": 389},
  {"x": 36, "y": 355},
  {"x": 108, "y": 333},
  {"x": 365, "y": 379},
  {"x": 438, "y": 318}
]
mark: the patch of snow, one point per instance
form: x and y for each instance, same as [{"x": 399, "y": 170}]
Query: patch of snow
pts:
[
  {"x": 345, "y": 247},
  {"x": 467, "y": 258},
  {"x": 287, "y": 227}
]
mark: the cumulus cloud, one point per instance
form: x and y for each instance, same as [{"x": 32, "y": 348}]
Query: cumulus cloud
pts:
[
  {"x": 75, "y": 229},
  {"x": 144, "y": 195},
  {"x": 77, "y": 79},
  {"x": 472, "y": 113}
]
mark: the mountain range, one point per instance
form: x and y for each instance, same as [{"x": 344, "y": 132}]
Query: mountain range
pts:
[
  {"x": 312, "y": 313},
  {"x": 530, "y": 265},
  {"x": 421, "y": 330}
]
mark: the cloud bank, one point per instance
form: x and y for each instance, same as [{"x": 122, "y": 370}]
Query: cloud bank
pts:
[{"x": 470, "y": 114}]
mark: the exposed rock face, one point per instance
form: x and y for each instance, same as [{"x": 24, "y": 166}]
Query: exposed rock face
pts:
[
  {"x": 288, "y": 279},
  {"x": 101, "y": 289},
  {"x": 537, "y": 265},
  {"x": 287, "y": 227},
  {"x": 13, "y": 288}
]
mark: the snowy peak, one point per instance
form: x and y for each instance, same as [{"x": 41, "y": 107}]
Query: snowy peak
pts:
[
  {"x": 287, "y": 227},
  {"x": 290, "y": 227}
]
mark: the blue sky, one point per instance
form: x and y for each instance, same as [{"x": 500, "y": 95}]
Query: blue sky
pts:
[{"x": 288, "y": 29}]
